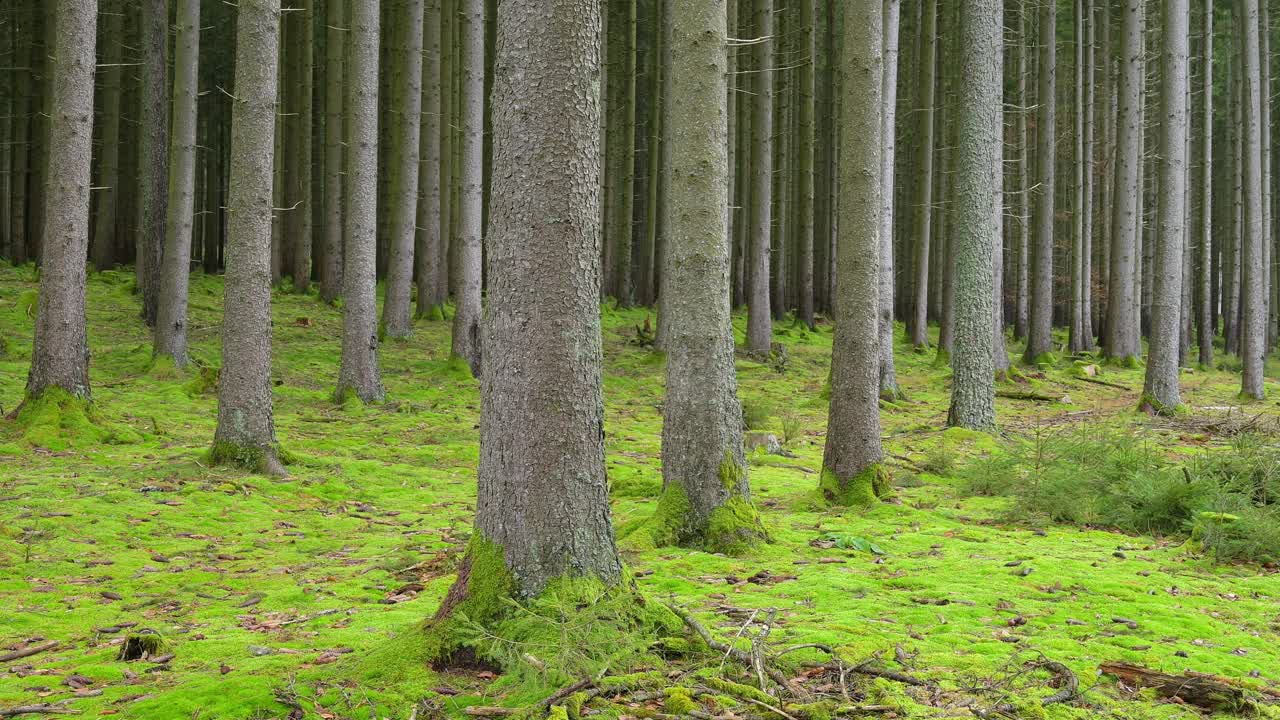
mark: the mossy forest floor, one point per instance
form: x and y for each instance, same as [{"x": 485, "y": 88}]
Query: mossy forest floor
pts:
[{"x": 263, "y": 589}]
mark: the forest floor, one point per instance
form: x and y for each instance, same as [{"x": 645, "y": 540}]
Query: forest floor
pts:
[{"x": 272, "y": 593}]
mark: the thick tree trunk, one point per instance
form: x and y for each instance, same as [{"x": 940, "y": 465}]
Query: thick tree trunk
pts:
[
  {"x": 1160, "y": 392},
  {"x": 1123, "y": 343},
  {"x": 1253, "y": 330},
  {"x": 334, "y": 140},
  {"x": 397, "y": 310},
  {"x": 60, "y": 355},
  {"x": 851, "y": 469},
  {"x": 359, "y": 373},
  {"x": 431, "y": 291},
  {"x": 153, "y": 154},
  {"x": 919, "y": 325},
  {"x": 1040, "y": 327},
  {"x": 466, "y": 321},
  {"x": 977, "y": 232},
  {"x": 1206, "y": 311},
  {"x": 246, "y": 428},
  {"x": 108, "y": 194},
  {"x": 171, "y": 323},
  {"x": 888, "y": 137},
  {"x": 759, "y": 313}
]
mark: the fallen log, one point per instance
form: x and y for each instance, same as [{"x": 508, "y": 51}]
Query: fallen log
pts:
[
  {"x": 1026, "y": 395},
  {"x": 1204, "y": 691},
  {"x": 37, "y": 710},
  {"x": 29, "y": 651}
]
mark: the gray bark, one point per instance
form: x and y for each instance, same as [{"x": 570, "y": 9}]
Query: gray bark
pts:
[
  {"x": 888, "y": 137},
  {"x": 171, "y": 322},
  {"x": 359, "y": 373},
  {"x": 1040, "y": 321},
  {"x": 1022, "y": 293},
  {"x": 153, "y": 154},
  {"x": 1160, "y": 390},
  {"x": 919, "y": 325},
  {"x": 1123, "y": 343},
  {"x": 334, "y": 138},
  {"x": 1254, "y": 274},
  {"x": 246, "y": 427},
  {"x": 759, "y": 314},
  {"x": 431, "y": 290},
  {"x": 466, "y": 320},
  {"x": 851, "y": 458},
  {"x": 397, "y": 311},
  {"x": 804, "y": 163},
  {"x": 977, "y": 232},
  {"x": 302, "y": 200},
  {"x": 1204, "y": 221},
  {"x": 108, "y": 195},
  {"x": 60, "y": 355}
]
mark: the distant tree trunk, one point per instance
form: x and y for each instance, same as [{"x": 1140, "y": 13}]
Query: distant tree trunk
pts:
[
  {"x": 851, "y": 469},
  {"x": 543, "y": 503},
  {"x": 804, "y": 163},
  {"x": 21, "y": 162},
  {"x": 171, "y": 325},
  {"x": 303, "y": 72},
  {"x": 1022, "y": 293},
  {"x": 397, "y": 310},
  {"x": 1254, "y": 275},
  {"x": 1234, "y": 254},
  {"x": 60, "y": 355},
  {"x": 622, "y": 134},
  {"x": 919, "y": 325},
  {"x": 466, "y": 321},
  {"x": 1206, "y": 311},
  {"x": 359, "y": 373},
  {"x": 104, "y": 234},
  {"x": 977, "y": 231},
  {"x": 153, "y": 153},
  {"x": 1040, "y": 328},
  {"x": 706, "y": 499},
  {"x": 1160, "y": 392},
  {"x": 334, "y": 140},
  {"x": 431, "y": 293},
  {"x": 1081, "y": 325},
  {"x": 246, "y": 428},
  {"x": 1123, "y": 344},
  {"x": 888, "y": 138},
  {"x": 759, "y": 313},
  {"x": 1270, "y": 269}
]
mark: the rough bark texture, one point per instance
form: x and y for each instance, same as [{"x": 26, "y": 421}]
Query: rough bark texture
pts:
[
  {"x": 335, "y": 122},
  {"x": 919, "y": 325},
  {"x": 759, "y": 317},
  {"x": 1204, "y": 221},
  {"x": 977, "y": 232},
  {"x": 706, "y": 498},
  {"x": 153, "y": 154},
  {"x": 542, "y": 494},
  {"x": 1081, "y": 323},
  {"x": 431, "y": 292},
  {"x": 60, "y": 356},
  {"x": 171, "y": 322},
  {"x": 359, "y": 373},
  {"x": 397, "y": 310},
  {"x": 1253, "y": 276},
  {"x": 1040, "y": 320},
  {"x": 301, "y": 202},
  {"x": 104, "y": 234},
  {"x": 1123, "y": 343},
  {"x": 851, "y": 470},
  {"x": 804, "y": 163},
  {"x": 466, "y": 320},
  {"x": 888, "y": 134},
  {"x": 1022, "y": 261},
  {"x": 1160, "y": 390},
  {"x": 246, "y": 428}
]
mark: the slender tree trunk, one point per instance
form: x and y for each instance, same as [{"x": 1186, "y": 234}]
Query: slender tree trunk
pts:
[
  {"x": 1269, "y": 266},
  {"x": 397, "y": 311},
  {"x": 1123, "y": 343},
  {"x": 919, "y": 325},
  {"x": 171, "y": 324},
  {"x": 60, "y": 355},
  {"x": 1040, "y": 328},
  {"x": 431, "y": 295},
  {"x": 759, "y": 313},
  {"x": 334, "y": 139},
  {"x": 108, "y": 195},
  {"x": 804, "y": 163},
  {"x": 888, "y": 137},
  {"x": 1253, "y": 331},
  {"x": 1022, "y": 299},
  {"x": 301, "y": 213},
  {"x": 851, "y": 469},
  {"x": 21, "y": 162},
  {"x": 1206, "y": 312},
  {"x": 153, "y": 151},
  {"x": 466, "y": 321},
  {"x": 1081, "y": 326},
  {"x": 246, "y": 427},
  {"x": 1160, "y": 392},
  {"x": 359, "y": 373}
]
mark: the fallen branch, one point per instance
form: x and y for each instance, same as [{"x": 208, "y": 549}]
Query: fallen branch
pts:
[
  {"x": 738, "y": 654},
  {"x": 1203, "y": 691},
  {"x": 1104, "y": 383},
  {"x": 29, "y": 651},
  {"x": 1026, "y": 395},
  {"x": 488, "y": 711},
  {"x": 565, "y": 692},
  {"x": 1070, "y": 689},
  {"x": 37, "y": 710}
]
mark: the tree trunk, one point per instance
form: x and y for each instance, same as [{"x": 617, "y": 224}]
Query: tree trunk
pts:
[
  {"x": 1206, "y": 310},
  {"x": 153, "y": 152},
  {"x": 466, "y": 321},
  {"x": 919, "y": 325},
  {"x": 431, "y": 292},
  {"x": 851, "y": 469},
  {"x": 108, "y": 195},
  {"x": 759, "y": 314},
  {"x": 334, "y": 140},
  {"x": 1160, "y": 391},
  {"x": 60, "y": 355},
  {"x": 397, "y": 310},
  {"x": 246, "y": 428},
  {"x": 804, "y": 163},
  {"x": 1022, "y": 293},
  {"x": 171, "y": 324},
  {"x": 359, "y": 373},
  {"x": 1123, "y": 344},
  {"x": 1254, "y": 274},
  {"x": 301, "y": 212},
  {"x": 1040, "y": 327},
  {"x": 888, "y": 138}
]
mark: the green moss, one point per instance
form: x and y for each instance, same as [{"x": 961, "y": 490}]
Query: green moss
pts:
[
  {"x": 730, "y": 687},
  {"x": 942, "y": 359},
  {"x": 1044, "y": 360},
  {"x": 28, "y": 302},
  {"x": 1148, "y": 403},
  {"x": 1126, "y": 362},
  {"x": 678, "y": 701},
  {"x": 252, "y": 458},
  {"x": 489, "y": 587},
  {"x": 56, "y": 419},
  {"x": 434, "y": 313},
  {"x": 203, "y": 382},
  {"x": 862, "y": 490},
  {"x": 733, "y": 528},
  {"x": 163, "y": 367}
]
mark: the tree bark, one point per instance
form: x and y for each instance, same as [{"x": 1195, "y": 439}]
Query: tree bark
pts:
[
  {"x": 153, "y": 154},
  {"x": 888, "y": 137},
  {"x": 431, "y": 291},
  {"x": 359, "y": 373},
  {"x": 919, "y": 325},
  {"x": 1254, "y": 274},
  {"x": 804, "y": 163},
  {"x": 851, "y": 470},
  {"x": 1040, "y": 326},
  {"x": 246, "y": 426},
  {"x": 759, "y": 313},
  {"x": 1123, "y": 344},
  {"x": 1206, "y": 311},
  {"x": 303, "y": 72},
  {"x": 60, "y": 355},
  {"x": 108, "y": 195},
  {"x": 466, "y": 320},
  {"x": 397, "y": 310},
  {"x": 334, "y": 140}
]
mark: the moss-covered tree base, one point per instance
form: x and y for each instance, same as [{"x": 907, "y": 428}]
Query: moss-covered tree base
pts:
[
  {"x": 270, "y": 460},
  {"x": 1150, "y": 405},
  {"x": 732, "y": 528},
  {"x": 1127, "y": 362},
  {"x": 56, "y": 420},
  {"x": 862, "y": 490}
]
